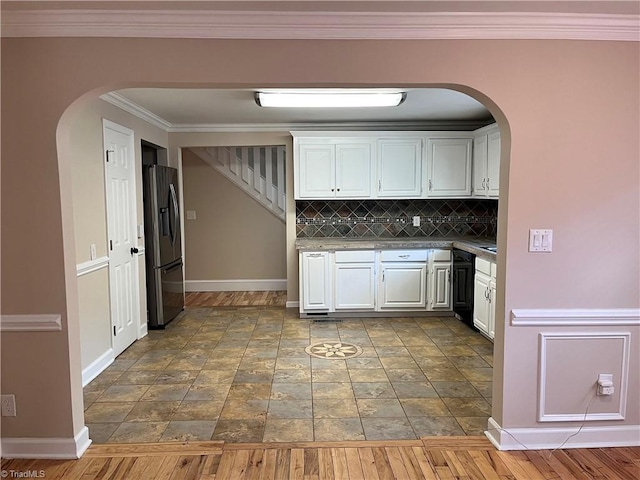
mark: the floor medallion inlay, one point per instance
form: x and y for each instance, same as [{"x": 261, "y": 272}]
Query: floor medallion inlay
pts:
[{"x": 334, "y": 350}]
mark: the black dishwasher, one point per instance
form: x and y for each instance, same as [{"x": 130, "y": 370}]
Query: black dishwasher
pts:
[{"x": 463, "y": 283}]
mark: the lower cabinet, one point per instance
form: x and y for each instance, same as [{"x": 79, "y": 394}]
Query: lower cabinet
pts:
[
  {"x": 440, "y": 280},
  {"x": 315, "y": 281},
  {"x": 484, "y": 308},
  {"x": 368, "y": 280},
  {"x": 403, "y": 285},
  {"x": 354, "y": 275}
]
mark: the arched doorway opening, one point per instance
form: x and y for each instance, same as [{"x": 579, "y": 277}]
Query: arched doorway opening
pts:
[{"x": 505, "y": 142}]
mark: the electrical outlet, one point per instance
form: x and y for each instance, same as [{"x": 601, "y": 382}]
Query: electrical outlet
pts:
[
  {"x": 605, "y": 384},
  {"x": 416, "y": 221},
  {"x": 8, "y": 404}
]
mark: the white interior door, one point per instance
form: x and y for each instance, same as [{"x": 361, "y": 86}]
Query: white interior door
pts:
[{"x": 121, "y": 229}]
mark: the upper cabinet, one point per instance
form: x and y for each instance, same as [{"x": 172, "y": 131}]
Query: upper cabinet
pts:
[
  {"x": 369, "y": 165},
  {"x": 448, "y": 167},
  {"x": 328, "y": 168},
  {"x": 399, "y": 167},
  {"x": 486, "y": 162}
]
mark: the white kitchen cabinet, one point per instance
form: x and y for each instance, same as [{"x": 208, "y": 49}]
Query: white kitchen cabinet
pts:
[
  {"x": 493, "y": 164},
  {"x": 448, "y": 167},
  {"x": 333, "y": 168},
  {"x": 354, "y": 280},
  {"x": 486, "y": 162},
  {"x": 315, "y": 281},
  {"x": 403, "y": 280},
  {"x": 375, "y": 280},
  {"x": 484, "y": 297},
  {"x": 403, "y": 286},
  {"x": 399, "y": 167},
  {"x": 353, "y": 170},
  {"x": 440, "y": 280}
]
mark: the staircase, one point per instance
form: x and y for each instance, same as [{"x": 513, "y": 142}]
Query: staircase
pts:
[{"x": 259, "y": 171}]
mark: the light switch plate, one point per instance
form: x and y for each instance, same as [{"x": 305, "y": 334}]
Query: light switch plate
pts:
[
  {"x": 191, "y": 214},
  {"x": 540, "y": 240}
]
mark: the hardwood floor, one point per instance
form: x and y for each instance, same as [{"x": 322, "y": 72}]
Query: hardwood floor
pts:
[
  {"x": 236, "y": 299},
  {"x": 430, "y": 458}
]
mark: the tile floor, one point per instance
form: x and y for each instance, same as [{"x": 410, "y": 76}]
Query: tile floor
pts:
[{"x": 242, "y": 375}]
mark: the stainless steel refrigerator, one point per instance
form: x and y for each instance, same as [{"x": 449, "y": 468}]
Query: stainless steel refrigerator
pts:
[{"x": 163, "y": 245}]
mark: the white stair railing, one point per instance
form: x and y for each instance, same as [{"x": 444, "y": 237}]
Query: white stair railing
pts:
[{"x": 258, "y": 170}]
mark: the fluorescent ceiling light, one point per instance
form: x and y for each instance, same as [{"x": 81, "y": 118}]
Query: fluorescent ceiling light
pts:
[{"x": 329, "y": 99}]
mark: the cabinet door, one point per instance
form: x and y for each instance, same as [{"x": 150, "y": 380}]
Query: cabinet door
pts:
[
  {"x": 403, "y": 285},
  {"x": 315, "y": 281},
  {"x": 353, "y": 170},
  {"x": 441, "y": 286},
  {"x": 493, "y": 164},
  {"x": 481, "y": 302},
  {"x": 354, "y": 286},
  {"x": 479, "y": 166},
  {"x": 492, "y": 309},
  {"x": 316, "y": 171},
  {"x": 449, "y": 167},
  {"x": 399, "y": 167}
]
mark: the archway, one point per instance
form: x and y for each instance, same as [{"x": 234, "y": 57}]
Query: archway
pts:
[{"x": 68, "y": 118}]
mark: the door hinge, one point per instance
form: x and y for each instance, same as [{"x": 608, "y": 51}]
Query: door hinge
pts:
[
  {"x": 107, "y": 154},
  {"x": 114, "y": 330},
  {"x": 110, "y": 244}
]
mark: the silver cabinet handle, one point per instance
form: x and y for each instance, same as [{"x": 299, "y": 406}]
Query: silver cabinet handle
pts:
[
  {"x": 430, "y": 185},
  {"x": 379, "y": 185},
  {"x": 315, "y": 255},
  {"x": 488, "y": 184},
  {"x": 484, "y": 187},
  {"x": 403, "y": 256}
]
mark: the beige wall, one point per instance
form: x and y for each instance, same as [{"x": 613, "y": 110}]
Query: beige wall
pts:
[
  {"x": 568, "y": 111},
  {"x": 85, "y": 139},
  {"x": 233, "y": 237}
]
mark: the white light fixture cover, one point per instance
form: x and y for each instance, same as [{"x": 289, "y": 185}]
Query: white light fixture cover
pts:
[{"x": 329, "y": 99}]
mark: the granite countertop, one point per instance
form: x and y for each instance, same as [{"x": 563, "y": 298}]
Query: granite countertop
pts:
[{"x": 470, "y": 244}]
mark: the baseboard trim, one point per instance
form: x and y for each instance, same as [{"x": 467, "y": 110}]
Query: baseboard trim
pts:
[
  {"x": 143, "y": 330},
  {"x": 293, "y": 304},
  {"x": 96, "y": 367},
  {"x": 47, "y": 448},
  {"x": 550, "y": 438},
  {"x": 235, "y": 285}
]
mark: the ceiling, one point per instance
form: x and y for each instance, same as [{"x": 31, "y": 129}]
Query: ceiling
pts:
[{"x": 211, "y": 107}]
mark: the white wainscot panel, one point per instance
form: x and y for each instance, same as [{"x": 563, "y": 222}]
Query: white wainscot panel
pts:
[{"x": 568, "y": 378}]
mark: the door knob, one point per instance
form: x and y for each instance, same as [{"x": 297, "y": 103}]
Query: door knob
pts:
[{"x": 134, "y": 250}]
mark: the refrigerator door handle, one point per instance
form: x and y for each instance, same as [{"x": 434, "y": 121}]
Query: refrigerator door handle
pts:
[
  {"x": 172, "y": 267},
  {"x": 176, "y": 213}
]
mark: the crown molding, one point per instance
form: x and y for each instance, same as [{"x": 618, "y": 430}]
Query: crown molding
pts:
[
  {"x": 136, "y": 110},
  {"x": 318, "y": 25}
]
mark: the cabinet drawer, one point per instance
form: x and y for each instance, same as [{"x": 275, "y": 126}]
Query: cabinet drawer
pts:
[
  {"x": 355, "y": 256},
  {"x": 441, "y": 255},
  {"x": 483, "y": 266},
  {"x": 403, "y": 255},
  {"x": 494, "y": 270}
]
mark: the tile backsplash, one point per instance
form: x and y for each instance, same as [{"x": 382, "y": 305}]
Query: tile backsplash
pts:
[{"x": 394, "y": 218}]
